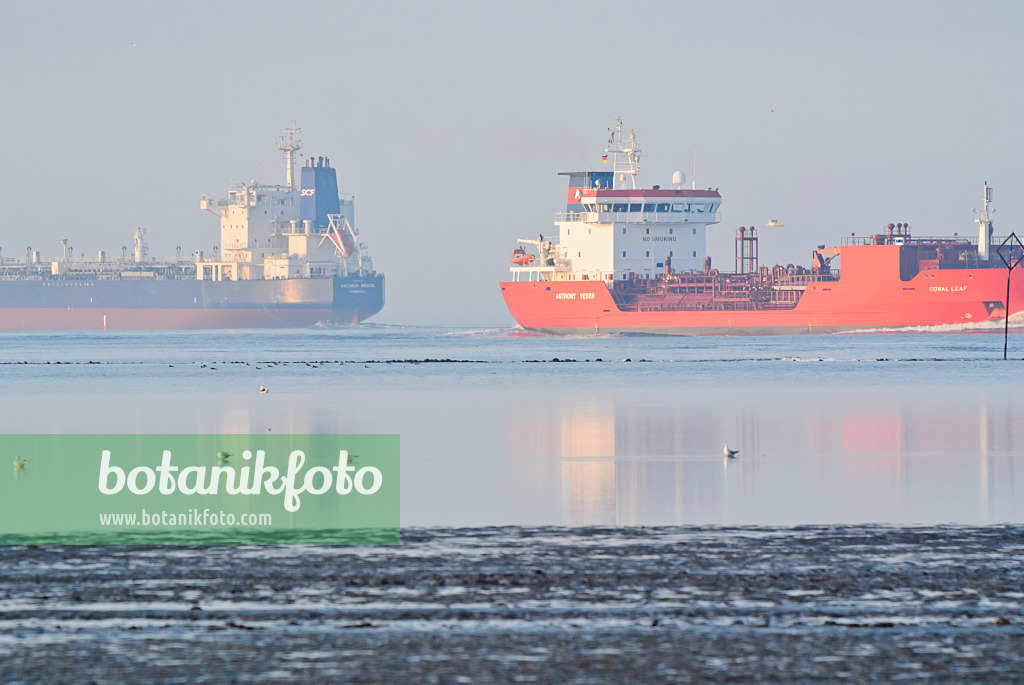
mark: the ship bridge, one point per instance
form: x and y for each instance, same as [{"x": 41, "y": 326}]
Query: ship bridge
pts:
[
  {"x": 645, "y": 206},
  {"x": 611, "y": 229},
  {"x": 281, "y": 232}
]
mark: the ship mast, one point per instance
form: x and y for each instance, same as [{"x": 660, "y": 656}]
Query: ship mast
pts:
[
  {"x": 288, "y": 144},
  {"x": 625, "y": 157},
  {"x": 984, "y": 222}
]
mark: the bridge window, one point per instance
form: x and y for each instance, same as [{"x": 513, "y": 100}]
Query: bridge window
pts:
[
  {"x": 650, "y": 208},
  {"x": 663, "y": 207},
  {"x": 678, "y": 207},
  {"x": 634, "y": 208},
  {"x": 619, "y": 207}
]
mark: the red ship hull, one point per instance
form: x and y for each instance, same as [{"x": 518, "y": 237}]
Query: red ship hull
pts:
[{"x": 869, "y": 295}]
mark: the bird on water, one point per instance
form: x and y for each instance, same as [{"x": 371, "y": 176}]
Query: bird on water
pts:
[{"x": 729, "y": 454}]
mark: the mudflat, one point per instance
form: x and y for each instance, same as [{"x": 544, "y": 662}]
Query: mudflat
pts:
[{"x": 676, "y": 604}]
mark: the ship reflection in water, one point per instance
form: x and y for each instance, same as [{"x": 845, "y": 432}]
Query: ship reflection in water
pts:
[
  {"x": 805, "y": 459},
  {"x": 521, "y": 455}
]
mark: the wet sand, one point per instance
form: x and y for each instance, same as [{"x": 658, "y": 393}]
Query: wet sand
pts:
[{"x": 581, "y": 605}]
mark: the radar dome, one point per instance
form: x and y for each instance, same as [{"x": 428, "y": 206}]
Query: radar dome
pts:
[{"x": 678, "y": 179}]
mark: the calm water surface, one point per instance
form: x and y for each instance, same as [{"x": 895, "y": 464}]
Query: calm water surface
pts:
[{"x": 889, "y": 428}]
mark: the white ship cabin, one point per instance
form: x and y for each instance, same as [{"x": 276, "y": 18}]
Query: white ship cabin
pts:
[
  {"x": 611, "y": 230},
  {"x": 261, "y": 237},
  {"x": 280, "y": 231}
]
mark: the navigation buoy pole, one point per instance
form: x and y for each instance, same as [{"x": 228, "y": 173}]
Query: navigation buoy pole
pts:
[
  {"x": 1006, "y": 325},
  {"x": 1010, "y": 262}
]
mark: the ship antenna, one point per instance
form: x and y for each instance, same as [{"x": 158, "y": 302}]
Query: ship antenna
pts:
[
  {"x": 288, "y": 144},
  {"x": 984, "y": 222},
  {"x": 625, "y": 156}
]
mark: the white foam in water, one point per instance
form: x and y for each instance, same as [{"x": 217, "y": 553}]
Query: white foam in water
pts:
[
  {"x": 1016, "y": 326},
  {"x": 479, "y": 332}
]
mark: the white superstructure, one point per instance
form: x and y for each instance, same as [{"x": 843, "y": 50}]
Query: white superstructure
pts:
[
  {"x": 613, "y": 230},
  {"x": 284, "y": 231}
]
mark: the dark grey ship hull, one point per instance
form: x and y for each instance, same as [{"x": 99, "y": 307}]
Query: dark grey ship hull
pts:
[{"x": 62, "y": 303}]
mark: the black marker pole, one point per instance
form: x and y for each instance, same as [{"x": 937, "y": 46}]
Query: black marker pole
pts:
[
  {"x": 1006, "y": 326},
  {"x": 1010, "y": 262}
]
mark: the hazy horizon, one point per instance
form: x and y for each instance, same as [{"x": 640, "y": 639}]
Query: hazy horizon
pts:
[{"x": 449, "y": 122}]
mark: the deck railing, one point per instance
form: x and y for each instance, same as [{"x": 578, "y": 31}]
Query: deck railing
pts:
[
  {"x": 916, "y": 240},
  {"x": 639, "y": 217}
]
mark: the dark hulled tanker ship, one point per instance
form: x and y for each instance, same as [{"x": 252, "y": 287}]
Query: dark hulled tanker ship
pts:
[{"x": 288, "y": 256}]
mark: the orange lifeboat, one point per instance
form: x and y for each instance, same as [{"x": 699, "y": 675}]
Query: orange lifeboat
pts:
[{"x": 520, "y": 257}]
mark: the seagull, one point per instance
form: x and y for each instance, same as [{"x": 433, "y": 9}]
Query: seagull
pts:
[
  {"x": 222, "y": 457},
  {"x": 729, "y": 454},
  {"x": 264, "y": 391},
  {"x": 19, "y": 463}
]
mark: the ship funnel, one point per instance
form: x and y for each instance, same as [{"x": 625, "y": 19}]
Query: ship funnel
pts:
[{"x": 319, "y": 194}]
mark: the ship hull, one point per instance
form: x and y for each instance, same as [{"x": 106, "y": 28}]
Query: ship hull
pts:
[
  {"x": 870, "y": 295},
  {"x": 67, "y": 304}
]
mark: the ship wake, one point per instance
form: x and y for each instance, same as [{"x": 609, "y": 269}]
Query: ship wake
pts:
[{"x": 996, "y": 326}]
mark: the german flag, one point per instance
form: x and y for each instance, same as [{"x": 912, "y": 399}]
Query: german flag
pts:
[{"x": 604, "y": 159}]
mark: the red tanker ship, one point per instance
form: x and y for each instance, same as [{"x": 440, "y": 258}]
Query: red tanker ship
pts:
[{"x": 632, "y": 260}]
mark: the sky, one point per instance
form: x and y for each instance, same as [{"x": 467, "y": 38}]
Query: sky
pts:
[{"x": 449, "y": 121}]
